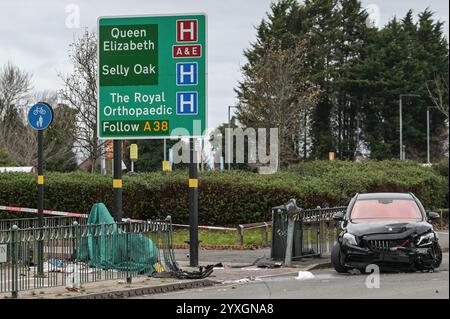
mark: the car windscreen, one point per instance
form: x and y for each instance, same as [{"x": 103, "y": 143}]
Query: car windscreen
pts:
[{"x": 369, "y": 210}]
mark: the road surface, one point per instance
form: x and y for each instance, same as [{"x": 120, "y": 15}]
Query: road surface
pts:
[{"x": 329, "y": 284}]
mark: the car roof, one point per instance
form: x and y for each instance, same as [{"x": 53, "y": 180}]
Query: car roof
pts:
[{"x": 385, "y": 195}]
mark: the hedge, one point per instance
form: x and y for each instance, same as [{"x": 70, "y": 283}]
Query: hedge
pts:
[{"x": 229, "y": 198}]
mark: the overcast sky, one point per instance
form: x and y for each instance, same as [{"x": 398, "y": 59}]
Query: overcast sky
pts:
[{"x": 35, "y": 37}]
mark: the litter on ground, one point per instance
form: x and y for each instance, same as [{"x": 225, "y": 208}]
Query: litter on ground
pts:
[{"x": 304, "y": 275}]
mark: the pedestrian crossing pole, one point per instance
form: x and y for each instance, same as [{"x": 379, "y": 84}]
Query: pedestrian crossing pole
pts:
[
  {"x": 193, "y": 206},
  {"x": 117, "y": 181}
]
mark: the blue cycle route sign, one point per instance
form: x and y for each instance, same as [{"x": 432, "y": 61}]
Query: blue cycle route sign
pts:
[{"x": 40, "y": 116}]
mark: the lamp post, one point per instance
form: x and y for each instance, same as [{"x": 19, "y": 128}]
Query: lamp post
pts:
[
  {"x": 165, "y": 150},
  {"x": 229, "y": 136},
  {"x": 402, "y": 157},
  {"x": 428, "y": 133}
]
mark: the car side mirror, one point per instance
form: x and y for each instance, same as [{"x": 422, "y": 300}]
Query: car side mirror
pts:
[
  {"x": 433, "y": 215},
  {"x": 339, "y": 216}
]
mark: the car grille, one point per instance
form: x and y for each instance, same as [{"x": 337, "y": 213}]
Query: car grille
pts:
[{"x": 382, "y": 245}]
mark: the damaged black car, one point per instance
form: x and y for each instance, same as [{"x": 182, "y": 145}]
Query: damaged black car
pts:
[{"x": 391, "y": 230}]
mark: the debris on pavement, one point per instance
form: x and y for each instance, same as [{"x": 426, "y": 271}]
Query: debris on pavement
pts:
[
  {"x": 304, "y": 275},
  {"x": 219, "y": 266},
  {"x": 269, "y": 264},
  {"x": 354, "y": 272},
  {"x": 249, "y": 265}
]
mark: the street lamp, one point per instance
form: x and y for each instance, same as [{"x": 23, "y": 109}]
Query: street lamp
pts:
[
  {"x": 165, "y": 150},
  {"x": 402, "y": 156},
  {"x": 229, "y": 135},
  {"x": 428, "y": 133}
]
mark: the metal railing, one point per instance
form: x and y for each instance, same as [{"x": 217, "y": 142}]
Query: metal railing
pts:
[
  {"x": 69, "y": 252},
  {"x": 23, "y": 223},
  {"x": 264, "y": 229},
  {"x": 319, "y": 231},
  {"x": 315, "y": 232}
]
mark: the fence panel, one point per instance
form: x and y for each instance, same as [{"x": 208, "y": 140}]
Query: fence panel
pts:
[
  {"x": 315, "y": 232},
  {"x": 319, "y": 230},
  {"x": 68, "y": 252}
]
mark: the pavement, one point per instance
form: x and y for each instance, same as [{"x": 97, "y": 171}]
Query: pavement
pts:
[{"x": 235, "y": 266}]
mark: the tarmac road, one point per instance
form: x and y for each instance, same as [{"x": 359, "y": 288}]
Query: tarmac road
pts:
[{"x": 329, "y": 284}]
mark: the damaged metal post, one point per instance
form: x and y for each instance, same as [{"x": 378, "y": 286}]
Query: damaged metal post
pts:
[
  {"x": 241, "y": 234},
  {"x": 289, "y": 241},
  {"x": 291, "y": 209}
]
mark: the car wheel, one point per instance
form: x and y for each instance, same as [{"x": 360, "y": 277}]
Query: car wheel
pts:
[
  {"x": 438, "y": 255},
  {"x": 336, "y": 259}
]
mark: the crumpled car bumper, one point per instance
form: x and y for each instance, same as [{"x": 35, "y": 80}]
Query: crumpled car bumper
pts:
[{"x": 358, "y": 257}]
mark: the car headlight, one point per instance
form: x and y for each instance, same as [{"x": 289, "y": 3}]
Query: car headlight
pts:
[
  {"x": 426, "y": 239},
  {"x": 349, "y": 239}
]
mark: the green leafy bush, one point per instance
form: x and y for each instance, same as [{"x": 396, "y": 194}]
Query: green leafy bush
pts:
[
  {"x": 441, "y": 167},
  {"x": 228, "y": 198}
]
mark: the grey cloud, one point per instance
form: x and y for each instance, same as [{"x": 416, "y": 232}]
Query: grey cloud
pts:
[{"x": 34, "y": 35}]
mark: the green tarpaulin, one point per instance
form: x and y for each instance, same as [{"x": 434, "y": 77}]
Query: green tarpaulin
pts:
[{"x": 108, "y": 246}]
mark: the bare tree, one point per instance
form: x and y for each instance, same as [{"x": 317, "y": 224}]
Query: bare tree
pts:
[
  {"x": 277, "y": 93},
  {"x": 20, "y": 140},
  {"x": 15, "y": 85},
  {"x": 60, "y": 136},
  {"x": 80, "y": 92},
  {"x": 438, "y": 92}
]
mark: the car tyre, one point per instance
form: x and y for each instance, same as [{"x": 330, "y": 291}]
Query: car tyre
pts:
[
  {"x": 336, "y": 259},
  {"x": 438, "y": 253}
]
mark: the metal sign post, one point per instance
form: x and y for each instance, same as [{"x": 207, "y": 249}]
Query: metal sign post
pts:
[
  {"x": 40, "y": 116},
  {"x": 117, "y": 181},
  {"x": 193, "y": 206},
  {"x": 40, "y": 200},
  {"x": 165, "y": 164}
]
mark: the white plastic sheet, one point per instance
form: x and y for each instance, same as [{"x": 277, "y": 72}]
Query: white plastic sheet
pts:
[{"x": 304, "y": 275}]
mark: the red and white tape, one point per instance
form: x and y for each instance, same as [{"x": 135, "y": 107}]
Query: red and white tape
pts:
[
  {"x": 206, "y": 227},
  {"x": 58, "y": 213},
  {"x": 52, "y": 212},
  {"x": 46, "y": 212}
]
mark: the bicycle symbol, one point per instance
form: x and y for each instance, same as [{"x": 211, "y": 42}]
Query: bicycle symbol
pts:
[{"x": 39, "y": 110}]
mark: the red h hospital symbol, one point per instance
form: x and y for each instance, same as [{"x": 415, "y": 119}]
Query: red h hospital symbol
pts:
[{"x": 187, "y": 31}]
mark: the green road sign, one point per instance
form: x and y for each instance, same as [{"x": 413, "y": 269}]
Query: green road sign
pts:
[{"x": 152, "y": 76}]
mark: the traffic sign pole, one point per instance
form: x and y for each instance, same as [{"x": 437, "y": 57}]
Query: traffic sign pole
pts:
[
  {"x": 40, "y": 116},
  {"x": 193, "y": 207},
  {"x": 40, "y": 199},
  {"x": 117, "y": 181}
]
